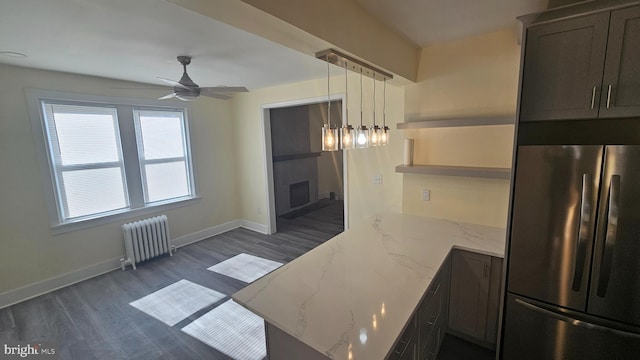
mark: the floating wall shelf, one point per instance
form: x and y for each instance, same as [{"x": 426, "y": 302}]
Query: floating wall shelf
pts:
[
  {"x": 466, "y": 171},
  {"x": 479, "y": 121}
]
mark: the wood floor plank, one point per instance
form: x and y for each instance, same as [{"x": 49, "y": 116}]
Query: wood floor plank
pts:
[
  {"x": 93, "y": 319},
  {"x": 6, "y": 320}
]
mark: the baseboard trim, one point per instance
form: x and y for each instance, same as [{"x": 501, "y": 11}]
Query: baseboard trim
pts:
[
  {"x": 206, "y": 233},
  {"x": 327, "y": 195},
  {"x": 31, "y": 291},
  {"x": 257, "y": 227}
]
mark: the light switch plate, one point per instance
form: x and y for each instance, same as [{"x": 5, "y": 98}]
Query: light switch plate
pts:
[{"x": 426, "y": 194}]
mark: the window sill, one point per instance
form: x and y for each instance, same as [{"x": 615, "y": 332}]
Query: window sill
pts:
[{"x": 57, "y": 229}]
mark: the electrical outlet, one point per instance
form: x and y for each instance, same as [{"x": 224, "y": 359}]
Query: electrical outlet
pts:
[
  {"x": 259, "y": 211},
  {"x": 426, "y": 194},
  {"x": 377, "y": 179}
]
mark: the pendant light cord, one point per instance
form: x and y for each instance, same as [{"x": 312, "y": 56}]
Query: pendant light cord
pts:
[
  {"x": 384, "y": 104},
  {"x": 374, "y": 102},
  {"x": 346, "y": 95},
  {"x": 328, "y": 96},
  {"x": 360, "y": 97}
]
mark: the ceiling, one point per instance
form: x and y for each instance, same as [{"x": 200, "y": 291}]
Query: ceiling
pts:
[
  {"x": 139, "y": 40},
  {"x": 427, "y": 22}
]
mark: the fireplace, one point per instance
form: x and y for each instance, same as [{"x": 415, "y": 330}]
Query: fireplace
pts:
[{"x": 298, "y": 194}]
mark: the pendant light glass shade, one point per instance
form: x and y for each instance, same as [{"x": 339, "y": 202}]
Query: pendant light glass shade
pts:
[
  {"x": 374, "y": 136},
  {"x": 362, "y": 137},
  {"x": 347, "y": 137},
  {"x": 384, "y": 135},
  {"x": 330, "y": 138}
]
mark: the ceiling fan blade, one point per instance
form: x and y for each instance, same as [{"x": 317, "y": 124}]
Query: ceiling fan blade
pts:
[
  {"x": 154, "y": 87},
  {"x": 216, "y": 96},
  {"x": 170, "y": 96},
  {"x": 225, "y": 89},
  {"x": 174, "y": 83}
]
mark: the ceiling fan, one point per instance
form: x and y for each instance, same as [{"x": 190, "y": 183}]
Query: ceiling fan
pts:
[{"x": 187, "y": 90}]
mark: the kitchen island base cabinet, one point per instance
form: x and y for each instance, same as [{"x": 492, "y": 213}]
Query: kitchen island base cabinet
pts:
[
  {"x": 475, "y": 291},
  {"x": 282, "y": 346},
  {"x": 433, "y": 313}
]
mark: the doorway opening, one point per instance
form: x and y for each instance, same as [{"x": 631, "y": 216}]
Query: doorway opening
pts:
[{"x": 305, "y": 184}]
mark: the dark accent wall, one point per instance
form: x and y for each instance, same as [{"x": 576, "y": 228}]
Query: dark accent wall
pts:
[{"x": 296, "y": 151}]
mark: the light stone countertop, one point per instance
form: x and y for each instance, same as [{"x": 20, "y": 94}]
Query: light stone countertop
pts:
[{"x": 351, "y": 297}]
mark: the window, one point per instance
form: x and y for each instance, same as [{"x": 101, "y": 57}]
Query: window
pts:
[
  {"x": 162, "y": 151},
  {"x": 87, "y": 159},
  {"x": 106, "y": 159}
]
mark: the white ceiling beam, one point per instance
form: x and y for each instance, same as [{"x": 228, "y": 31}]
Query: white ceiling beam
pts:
[{"x": 310, "y": 26}]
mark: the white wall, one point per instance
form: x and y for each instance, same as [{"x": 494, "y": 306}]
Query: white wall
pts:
[
  {"x": 365, "y": 198},
  {"x": 30, "y": 252},
  {"x": 472, "y": 77}
]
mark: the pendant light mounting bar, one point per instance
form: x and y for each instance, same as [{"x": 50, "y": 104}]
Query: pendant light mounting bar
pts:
[{"x": 343, "y": 60}]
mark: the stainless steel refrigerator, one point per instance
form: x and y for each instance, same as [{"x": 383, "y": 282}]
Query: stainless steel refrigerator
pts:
[{"x": 573, "y": 279}]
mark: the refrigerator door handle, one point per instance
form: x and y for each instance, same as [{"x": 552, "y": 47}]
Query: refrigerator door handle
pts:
[
  {"x": 610, "y": 238},
  {"x": 576, "y": 322},
  {"x": 583, "y": 232}
]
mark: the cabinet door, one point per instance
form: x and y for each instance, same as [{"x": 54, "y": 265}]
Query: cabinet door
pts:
[
  {"x": 563, "y": 65},
  {"x": 621, "y": 82},
  {"x": 470, "y": 274}
]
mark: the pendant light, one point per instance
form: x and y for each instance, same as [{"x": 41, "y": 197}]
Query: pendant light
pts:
[
  {"x": 347, "y": 133},
  {"x": 374, "y": 132},
  {"x": 329, "y": 134},
  {"x": 362, "y": 133},
  {"x": 384, "y": 133}
]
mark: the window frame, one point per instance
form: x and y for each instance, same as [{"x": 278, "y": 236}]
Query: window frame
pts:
[
  {"x": 59, "y": 169},
  {"x": 127, "y": 139},
  {"x": 143, "y": 161}
]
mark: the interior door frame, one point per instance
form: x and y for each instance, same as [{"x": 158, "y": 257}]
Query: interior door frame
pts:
[{"x": 266, "y": 133}]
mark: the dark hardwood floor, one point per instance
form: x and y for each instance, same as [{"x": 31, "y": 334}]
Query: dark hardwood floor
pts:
[{"x": 93, "y": 319}]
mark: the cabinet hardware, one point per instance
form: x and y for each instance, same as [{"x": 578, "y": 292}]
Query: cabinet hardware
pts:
[
  {"x": 435, "y": 320},
  {"x": 435, "y": 291},
  {"x": 583, "y": 232},
  {"x": 593, "y": 97},
  {"x": 609, "y": 97},
  {"x": 610, "y": 236},
  {"x": 577, "y": 322}
]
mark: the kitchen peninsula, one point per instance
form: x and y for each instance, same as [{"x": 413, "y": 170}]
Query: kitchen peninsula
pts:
[{"x": 353, "y": 296}]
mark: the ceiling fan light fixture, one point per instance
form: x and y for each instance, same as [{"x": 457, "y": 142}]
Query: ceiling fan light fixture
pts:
[{"x": 187, "y": 90}]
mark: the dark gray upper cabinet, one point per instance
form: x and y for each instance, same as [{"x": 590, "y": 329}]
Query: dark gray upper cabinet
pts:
[
  {"x": 622, "y": 67},
  {"x": 583, "y": 68},
  {"x": 563, "y": 69}
]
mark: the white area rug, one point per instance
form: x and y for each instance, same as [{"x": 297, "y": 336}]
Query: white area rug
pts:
[
  {"x": 245, "y": 267},
  {"x": 177, "y": 301},
  {"x": 232, "y": 330}
]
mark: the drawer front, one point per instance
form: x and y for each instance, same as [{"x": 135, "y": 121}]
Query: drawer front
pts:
[
  {"x": 430, "y": 350},
  {"x": 405, "y": 347},
  {"x": 429, "y": 317}
]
